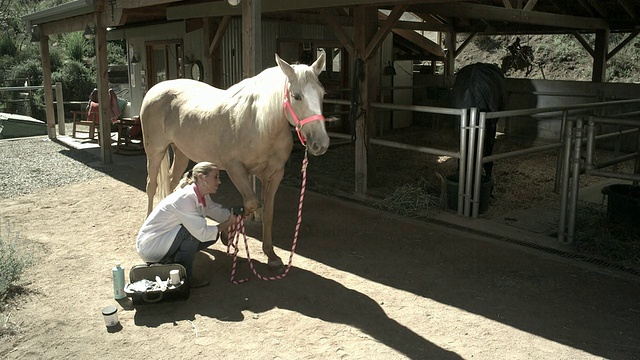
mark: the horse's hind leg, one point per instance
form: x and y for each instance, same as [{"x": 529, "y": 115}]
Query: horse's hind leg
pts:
[
  {"x": 153, "y": 168},
  {"x": 178, "y": 166}
]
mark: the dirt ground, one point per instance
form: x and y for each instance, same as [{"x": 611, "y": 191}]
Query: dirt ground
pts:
[{"x": 364, "y": 284}]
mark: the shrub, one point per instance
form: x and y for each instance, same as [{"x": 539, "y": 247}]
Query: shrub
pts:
[
  {"x": 77, "y": 80},
  {"x": 29, "y": 69},
  {"x": 14, "y": 259},
  {"x": 75, "y": 46},
  {"x": 7, "y": 46}
]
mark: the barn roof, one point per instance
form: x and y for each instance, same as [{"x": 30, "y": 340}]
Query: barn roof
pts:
[{"x": 483, "y": 16}]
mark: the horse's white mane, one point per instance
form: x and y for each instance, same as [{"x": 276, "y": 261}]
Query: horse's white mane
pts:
[{"x": 259, "y": 99}]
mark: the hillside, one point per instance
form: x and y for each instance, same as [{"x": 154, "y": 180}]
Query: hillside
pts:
[{"x": 556, "y": 57}]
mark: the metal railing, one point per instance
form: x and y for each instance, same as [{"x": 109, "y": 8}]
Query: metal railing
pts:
[{"x": 469, "y": 180}]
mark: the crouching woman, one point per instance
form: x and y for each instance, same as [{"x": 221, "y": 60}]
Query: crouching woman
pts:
[{"x": 177, "y": 227}]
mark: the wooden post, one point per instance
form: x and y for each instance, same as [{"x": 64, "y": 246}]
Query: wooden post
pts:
[
  {"x": 450, "y": 56},
  {"x": 366, "y": 23},
  {"x": 48, "y": 88},
  {"x": 60, "y": 108},
  {"x": 251, "y": 37},
  {"x": 252, "y": 54},
  {"x": 600, "y": 56},
  {"x": 103, "y": 89}
]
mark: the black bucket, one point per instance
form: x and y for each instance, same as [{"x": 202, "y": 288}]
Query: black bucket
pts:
[
  {"x": 486, "y": 183},
  {"x": 623, "y": 203}
]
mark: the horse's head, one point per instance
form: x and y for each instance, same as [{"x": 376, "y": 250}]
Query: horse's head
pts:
[{"x": 303, "y": 103}]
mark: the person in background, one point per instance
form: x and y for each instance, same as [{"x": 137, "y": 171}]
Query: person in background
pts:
[{"x": 177, "y": 227}]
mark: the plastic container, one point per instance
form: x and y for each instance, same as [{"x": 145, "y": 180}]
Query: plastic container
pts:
[
  {"x": 623, "y": 204},
  {"x": 118, "y": 282},
  {"x": 486, "y": 184},
  {"x": 110, "y": 314}
]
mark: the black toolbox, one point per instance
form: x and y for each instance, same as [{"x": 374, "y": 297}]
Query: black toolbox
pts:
[{"x": 144, "y": 287}]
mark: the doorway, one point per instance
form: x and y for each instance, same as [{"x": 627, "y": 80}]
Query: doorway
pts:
[{"x": 164, "y": 61}]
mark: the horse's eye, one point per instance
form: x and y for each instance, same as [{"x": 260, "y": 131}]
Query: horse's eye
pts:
[{"x": 297, "y": 96}]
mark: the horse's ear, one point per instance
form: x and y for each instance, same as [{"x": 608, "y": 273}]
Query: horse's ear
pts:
[
  {"x": 286, "y": 68},
  {"x": 318, "y": 65}
]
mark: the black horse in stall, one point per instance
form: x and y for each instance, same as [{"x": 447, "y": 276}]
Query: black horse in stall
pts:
[{"x": 481, "y": 85}]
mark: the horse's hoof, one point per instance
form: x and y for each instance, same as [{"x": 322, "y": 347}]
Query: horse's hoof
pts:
[{"x": 275, "y": 265}]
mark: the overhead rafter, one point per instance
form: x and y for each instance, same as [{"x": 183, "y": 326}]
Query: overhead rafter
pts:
[
  {"x": 626, "y": 4},
  {"x": 469, "y": 10},
  {"x": 419, "y": 40}
]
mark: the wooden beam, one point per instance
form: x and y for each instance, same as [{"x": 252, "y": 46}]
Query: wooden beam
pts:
[
  {"x": 598, "y": 8},
  {"x": 421, "y": 41},
  {"x": 585, "y": 44},
  {"x": 221, "y": 8},
  {"x": 487, "y": 12},
  {"x": 384, "y": 30},
  {"x": 530, "y": 5},
  {"x": 132, "y": 4},
  {"x": 217, "y": 39},
  {"x": 410, "y": 25},
  {"x": 628, "y": 7},
  {"x": 507, "y": 4},
  {"x": 622, "y": 44},
  {"x": 584, "y": 5},
  {"x": 78, "y": 23},
  {"x": 464, "y": 44},
  {"x": 338, "y": 30}
]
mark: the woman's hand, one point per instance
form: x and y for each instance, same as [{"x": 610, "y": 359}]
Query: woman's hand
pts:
[{"x": 227, "y": 223}]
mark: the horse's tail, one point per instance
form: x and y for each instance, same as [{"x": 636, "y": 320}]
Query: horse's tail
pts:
[{"x": 163, "y": 177}]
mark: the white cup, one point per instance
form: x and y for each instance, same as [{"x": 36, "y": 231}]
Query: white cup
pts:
[{"x": 174, "y": 275}]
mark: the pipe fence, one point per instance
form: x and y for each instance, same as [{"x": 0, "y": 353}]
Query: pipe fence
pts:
[{"x": 470, "y": 149}]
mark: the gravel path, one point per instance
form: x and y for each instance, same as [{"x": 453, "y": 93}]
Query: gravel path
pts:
[{"x": 31, "y": 164}]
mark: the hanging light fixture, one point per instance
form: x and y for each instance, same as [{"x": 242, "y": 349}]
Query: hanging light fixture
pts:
[
  {"x": 35, "y": 33},
  {"x": 88, "y": 32},
  {"x": 233, "y": 2}
]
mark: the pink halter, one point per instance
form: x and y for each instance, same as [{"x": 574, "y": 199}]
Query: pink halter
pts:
[{"x": 299, "y": 123}]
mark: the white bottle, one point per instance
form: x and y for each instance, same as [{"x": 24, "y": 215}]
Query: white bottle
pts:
[{"x": 118, "y": 281}]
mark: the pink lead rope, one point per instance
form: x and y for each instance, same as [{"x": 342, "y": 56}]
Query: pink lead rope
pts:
[{"x": 238, "y": 229}]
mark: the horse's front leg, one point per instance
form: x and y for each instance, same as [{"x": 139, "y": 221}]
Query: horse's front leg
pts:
[
  {"x": 240, "y": 178},
  {"x": 269, "y": 189}
]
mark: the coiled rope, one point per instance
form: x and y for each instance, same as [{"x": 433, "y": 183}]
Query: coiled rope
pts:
[{"x": 238, "y": 229}]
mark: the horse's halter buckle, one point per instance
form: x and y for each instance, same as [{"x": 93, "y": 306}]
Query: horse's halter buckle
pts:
[{"x": 299, "y": 123}]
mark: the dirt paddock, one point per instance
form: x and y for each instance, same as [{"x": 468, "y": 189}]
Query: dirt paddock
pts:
[{"x": 364, "y": 284}]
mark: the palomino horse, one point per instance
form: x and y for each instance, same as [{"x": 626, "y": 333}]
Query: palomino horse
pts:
[
  {"x": 245, "y": 130},
  {"x": 481, "y": 86}
]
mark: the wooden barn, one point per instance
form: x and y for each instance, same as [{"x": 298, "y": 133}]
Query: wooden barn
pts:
[{"x": 384, "y": 55}]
